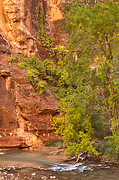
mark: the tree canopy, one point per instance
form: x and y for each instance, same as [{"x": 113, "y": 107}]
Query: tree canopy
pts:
[{"x": 92, "y": 100}]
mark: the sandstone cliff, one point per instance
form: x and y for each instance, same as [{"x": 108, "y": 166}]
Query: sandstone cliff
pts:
[{"x": 24, "y": 114}]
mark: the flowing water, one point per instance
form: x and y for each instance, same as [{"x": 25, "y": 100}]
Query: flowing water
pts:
[{"x": 33, "y": 165}]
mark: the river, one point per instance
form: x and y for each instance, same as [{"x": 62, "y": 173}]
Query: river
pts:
[{"x": 33, "y": 165}]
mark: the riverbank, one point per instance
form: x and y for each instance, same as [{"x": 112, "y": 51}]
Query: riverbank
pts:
[
  {"x": 58, "y": 154},
  {"x": 46, "y": 163}
]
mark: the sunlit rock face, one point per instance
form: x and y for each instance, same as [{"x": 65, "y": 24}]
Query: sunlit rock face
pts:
[
  {"x": 24, "y": 114},
  {"x": 54, "y": 11},
  {"x": 19, "y": 23}
]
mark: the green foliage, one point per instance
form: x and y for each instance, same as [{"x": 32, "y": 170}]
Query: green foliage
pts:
[
  {"x": 34, "y": 69},
  {"x": 102, "y": 147},
  {"x": 47, "y": 42},
  {"x": 13, "y": 58},
  {"x": 91, "y": 102},
  {"x": 73, "y": 153},
  {"x": 55, "y": 77},
  {"x": 55, "y": 143},
  {"x": 112, "y": 151},
  {"x": 59, "y": 53},
  {"x": 75, "y": 126},
  {"x": 93, "y": 30}
]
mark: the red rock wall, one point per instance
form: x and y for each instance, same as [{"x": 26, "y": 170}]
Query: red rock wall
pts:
[{"x": 24, "y": 114}]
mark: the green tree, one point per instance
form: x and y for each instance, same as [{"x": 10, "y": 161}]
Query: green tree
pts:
[
  {"x": 75, "y": 125},
  {"x": 93, "y": 81}
]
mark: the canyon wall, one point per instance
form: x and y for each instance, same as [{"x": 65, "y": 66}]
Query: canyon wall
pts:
[{"x": 24, "y": 114}]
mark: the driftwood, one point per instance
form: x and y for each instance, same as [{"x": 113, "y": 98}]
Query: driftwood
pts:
[
  {"x": 70, "y": 158},
  {"x": 79, "y": 157}
]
